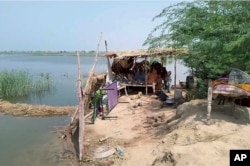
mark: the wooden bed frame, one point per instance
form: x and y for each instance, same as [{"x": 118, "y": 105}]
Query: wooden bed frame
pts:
[{"x": 142, "y": 85}]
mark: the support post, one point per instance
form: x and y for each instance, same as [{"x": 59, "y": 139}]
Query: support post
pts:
[
  {"x": 146, "y": 75},
  {"x": 81, "y": 111},
  {"x": 209, "y": 101},
  {"x": 174, "y": 71},
  {"x": 110, "y": 76}
]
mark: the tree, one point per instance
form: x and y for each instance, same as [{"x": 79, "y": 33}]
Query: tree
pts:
[{"x": 216, "y": 33}]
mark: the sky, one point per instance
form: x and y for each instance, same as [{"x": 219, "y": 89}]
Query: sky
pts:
[{"x": 77, "y": 25}]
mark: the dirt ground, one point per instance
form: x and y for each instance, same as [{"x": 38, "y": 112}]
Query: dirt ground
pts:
[{"x": 145, "y": 136}]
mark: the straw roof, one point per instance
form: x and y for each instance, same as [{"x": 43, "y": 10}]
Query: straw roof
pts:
[{"x": 145, "y": 52}]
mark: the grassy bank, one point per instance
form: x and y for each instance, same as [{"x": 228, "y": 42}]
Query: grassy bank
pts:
[{"x": 21, "y": 83}]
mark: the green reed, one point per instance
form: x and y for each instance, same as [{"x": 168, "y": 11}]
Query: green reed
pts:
[{"x": 21, "y": 83}]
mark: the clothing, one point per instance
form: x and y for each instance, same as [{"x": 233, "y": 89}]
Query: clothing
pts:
[
  {"x": 140, "y": 76},
  {"x": 169, "y": 81},
  {"x": 152, "y": 77}
]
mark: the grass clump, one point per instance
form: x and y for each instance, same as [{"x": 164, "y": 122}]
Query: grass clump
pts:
[{"x": 21, "y": 83}]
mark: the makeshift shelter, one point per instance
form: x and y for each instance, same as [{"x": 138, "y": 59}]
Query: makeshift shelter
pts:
[{"x": 124, "y": 61}]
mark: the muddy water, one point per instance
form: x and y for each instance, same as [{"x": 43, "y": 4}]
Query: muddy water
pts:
[{"x": 28, "y": 141}]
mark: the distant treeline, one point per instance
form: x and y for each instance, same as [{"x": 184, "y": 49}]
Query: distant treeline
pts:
[{"x": 63, "y": 53}]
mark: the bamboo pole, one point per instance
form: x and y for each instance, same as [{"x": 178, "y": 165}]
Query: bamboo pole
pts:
[
  {"x": 174, "y": 71},
  {"x": 209, "y": 101},
  {"x": 83, "y": 103},
  {"x": 89, "y": 81},
  {"x": 80, "y": 111},
  {"x": 146, "y": 75},
  {"x": 110, "y": 76},
  {"x": 96, "y": 55},
  {"x": 74, "y": 115}
]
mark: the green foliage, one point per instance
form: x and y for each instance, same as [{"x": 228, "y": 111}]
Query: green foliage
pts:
[
  {"x": 216, "y": 33},
  {"x": 199, "y": 92},
  {"x": 21, "y": 83},
  {"x": 97, "y": 96}
]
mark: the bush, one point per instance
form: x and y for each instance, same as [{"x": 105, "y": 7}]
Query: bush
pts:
[{"x": 200, "y": 92}]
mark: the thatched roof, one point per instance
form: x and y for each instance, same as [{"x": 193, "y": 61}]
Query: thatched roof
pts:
[{"x": 144, "y": 52}]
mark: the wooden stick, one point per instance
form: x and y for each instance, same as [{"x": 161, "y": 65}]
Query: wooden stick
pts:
[
  {"x": 89, "y": 114},
  {"x": 174, "y": 71},
  {"x": 146, "y": 75},
  {"x": 74, "y": 115},
  {"x": 80, "y": 111},
  {"x": 89, "y": 81},
  {"x": 84, "y": 101},
  {"x": 209, "y": 101},
  {"x": 110, "y": 76},
  {"x": 96, "y": 55}
]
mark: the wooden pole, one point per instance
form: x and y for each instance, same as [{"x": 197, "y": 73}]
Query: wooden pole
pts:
[
  {"x": 174, "y": 71},
  {"x": 83, "y": 102},
  {"x": 110, "y": 76},
  {"x": 96, "y": 55},
  {"x": 146, "y": 75},
  {"x": 81, "y": 111},
  {"x": 209, "y": 99}
]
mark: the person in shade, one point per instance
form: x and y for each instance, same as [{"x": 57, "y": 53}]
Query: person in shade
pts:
[
  {"x": 169, "y": 81},
  {"x": 140, "y": 76}
]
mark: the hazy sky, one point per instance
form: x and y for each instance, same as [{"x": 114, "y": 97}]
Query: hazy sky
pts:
[{"x": 76, "y": 25}]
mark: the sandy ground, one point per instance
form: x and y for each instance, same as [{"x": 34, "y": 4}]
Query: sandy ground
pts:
[{"x": 190, "y": 141}]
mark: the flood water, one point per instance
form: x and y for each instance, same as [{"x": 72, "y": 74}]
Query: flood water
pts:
[
  {"x": 28, "y": 141},
  {"x": 61, "y": 67}
]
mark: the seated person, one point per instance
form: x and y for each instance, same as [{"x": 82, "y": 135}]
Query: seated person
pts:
[
  {"x": 152, "y": 77},
  {"x": 158, "y": 85},
  {"x": 140, "y": 76},
  {"x": 131, "y": 76}
]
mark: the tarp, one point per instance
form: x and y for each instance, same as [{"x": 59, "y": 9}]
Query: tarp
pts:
[
  {"x": 233, "y": 83},
  {"x": 229, "y": 90},
  {"x": 112, "y": 95}
]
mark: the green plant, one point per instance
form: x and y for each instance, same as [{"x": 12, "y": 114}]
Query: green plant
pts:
[
  {"x": 200, "y": 92},
  {"x": 21, "y": 83}
]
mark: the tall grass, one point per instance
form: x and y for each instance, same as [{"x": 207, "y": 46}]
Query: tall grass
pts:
[{"x": 21, "y": 83}]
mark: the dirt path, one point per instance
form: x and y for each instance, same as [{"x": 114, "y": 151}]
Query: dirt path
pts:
[{"x": 190, "y": 142}]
